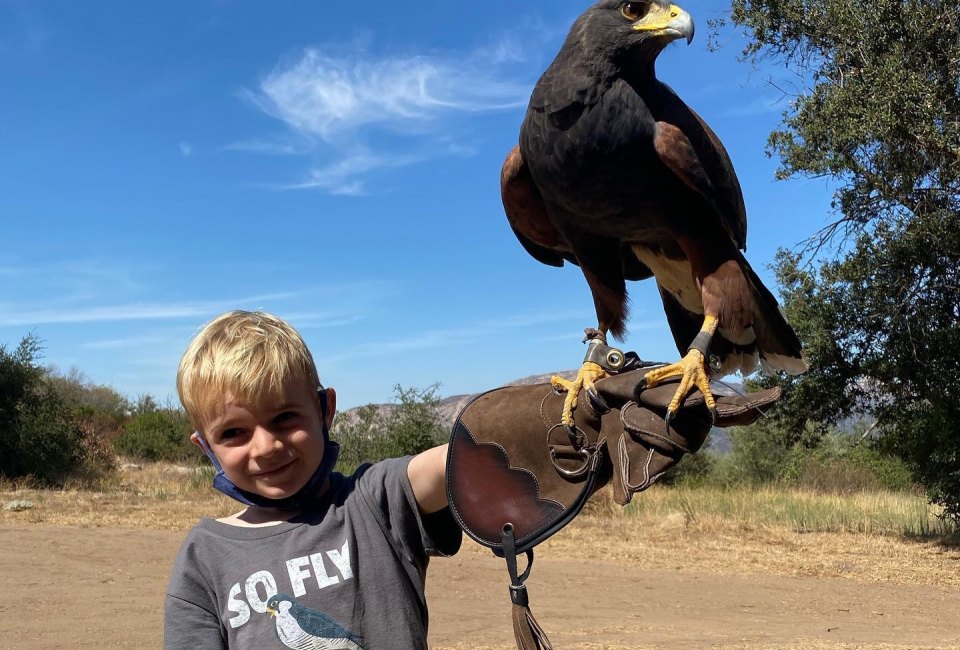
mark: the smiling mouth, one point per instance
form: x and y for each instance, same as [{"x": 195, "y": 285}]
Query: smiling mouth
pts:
[{"x": 273, "y": 472}]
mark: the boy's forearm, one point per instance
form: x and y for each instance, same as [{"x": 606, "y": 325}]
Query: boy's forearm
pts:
[{"x": 427, "y": 472}]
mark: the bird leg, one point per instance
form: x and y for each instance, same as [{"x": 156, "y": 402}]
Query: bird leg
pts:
[
  {"x": 693, "y": 370},
  {"x": 597, "y": 363}
]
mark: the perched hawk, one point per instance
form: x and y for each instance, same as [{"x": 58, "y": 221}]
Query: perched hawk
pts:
[{"x": 616, "y": 174}]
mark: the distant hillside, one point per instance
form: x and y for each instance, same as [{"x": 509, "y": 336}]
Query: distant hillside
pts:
[{"x": 449, "y": 407}]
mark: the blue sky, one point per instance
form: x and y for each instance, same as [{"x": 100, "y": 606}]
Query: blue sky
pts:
[{"x": 334, "y": 163}]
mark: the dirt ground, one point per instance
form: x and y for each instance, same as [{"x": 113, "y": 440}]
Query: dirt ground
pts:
[{"x": 103, "y": 588}]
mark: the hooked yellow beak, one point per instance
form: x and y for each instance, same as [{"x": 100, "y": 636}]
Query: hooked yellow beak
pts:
[{"x": 672, "y": 21}]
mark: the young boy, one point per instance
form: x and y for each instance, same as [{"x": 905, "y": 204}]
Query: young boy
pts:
[{"x": 316, "y": 559}]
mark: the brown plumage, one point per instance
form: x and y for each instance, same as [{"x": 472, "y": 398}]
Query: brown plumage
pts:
[{"x": 613, "y": 172}]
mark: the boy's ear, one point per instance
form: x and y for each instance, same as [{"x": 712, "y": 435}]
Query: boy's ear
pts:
[
  {"x": 195, "y": 439},
  {"x": 331, "y": 405}
]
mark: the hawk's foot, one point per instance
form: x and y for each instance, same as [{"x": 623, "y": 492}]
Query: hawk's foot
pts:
[
  {"x": 589, "y": 373},
  {"x": 694, "y": 374}
]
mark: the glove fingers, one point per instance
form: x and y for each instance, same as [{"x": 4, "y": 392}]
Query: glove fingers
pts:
[{"x": 646, "y": 448}]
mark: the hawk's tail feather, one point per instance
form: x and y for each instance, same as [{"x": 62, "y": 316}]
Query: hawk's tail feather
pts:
[
  {"x": 685, "y": 325},
  {"x": 778, "y": 346},
  {"x": 770, "y": 345}
]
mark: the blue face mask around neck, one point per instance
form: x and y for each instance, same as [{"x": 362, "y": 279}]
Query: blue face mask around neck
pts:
[{"x": 305, "y": 496}]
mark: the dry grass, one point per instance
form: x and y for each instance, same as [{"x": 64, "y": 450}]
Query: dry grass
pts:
[
  {"x": 741, "y": 531},
  {"x": 159, "y": 496},
  {"x": 871, "y": 512},
  {"x": 749, "y": 531}
]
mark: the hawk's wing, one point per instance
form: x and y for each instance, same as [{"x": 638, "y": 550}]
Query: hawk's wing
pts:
[
  {"x": 532, "y": 225},
  {"x": 692, "y": 151},
  {"x": 528, "y": 214}
]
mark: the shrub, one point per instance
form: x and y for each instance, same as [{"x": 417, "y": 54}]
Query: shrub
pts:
[
  {"x": 50, "y": 443},
  {"x": 39, "y": 436},
  {"x": 161, "y": 434},
  {"x": 890, "y": 472},
  {"x": 693, "y": 469},
  {"x": 413, "y": 425},
  {"x": 839, "y": 465},
  {"x": 373, "y": 432},
  {"x": 99, "y": 411},
  {"x": 361, "y": 436},
  {"x": 80, "y": 392},
  {"x": 759, "y": 452}
]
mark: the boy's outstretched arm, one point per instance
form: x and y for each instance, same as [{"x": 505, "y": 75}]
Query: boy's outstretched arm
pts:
[{"x": 427, "y": 472}]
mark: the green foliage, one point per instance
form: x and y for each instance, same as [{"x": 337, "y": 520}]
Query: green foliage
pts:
[
  {"x": 761, "y": 451},
  {"x": 693, "y": 469},
  {"x": 880, "y": 311},
  {"x": 39, "y": 437},
  {"x": 837, "y": 466},
  {"x": 834, "y": 462},
  {"x": 80, "y": 392},
  {"x": 414, "y": 425},
  {"x": 99, "y": 411},
  {"x": 361, "y": 434},
  {"x": 157, "y": 434},
  {"x": 371, "y": 433},
  {"x": 880, "y": 112}
]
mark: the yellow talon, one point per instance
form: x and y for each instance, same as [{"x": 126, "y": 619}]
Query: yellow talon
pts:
[
  {"x": 692, "y": 369},
  {"x": 588, "y": 374}
]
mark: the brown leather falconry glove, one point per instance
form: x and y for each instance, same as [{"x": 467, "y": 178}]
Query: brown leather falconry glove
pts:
[
  {"x": 516, "y": 474},
  {"x": 510, "y": 455}
]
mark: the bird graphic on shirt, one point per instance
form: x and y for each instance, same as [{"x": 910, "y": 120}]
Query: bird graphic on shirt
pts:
[{"x": 301, "y": 628}]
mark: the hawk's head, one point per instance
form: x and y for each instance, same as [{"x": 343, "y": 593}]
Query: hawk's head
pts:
[{"x": 620, "y": 30}]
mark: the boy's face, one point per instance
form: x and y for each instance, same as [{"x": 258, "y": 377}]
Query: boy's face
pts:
[{"x": 271, "y": 449}]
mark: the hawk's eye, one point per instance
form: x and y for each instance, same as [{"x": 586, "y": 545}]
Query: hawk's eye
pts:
[{"x": 634, "y": 11}]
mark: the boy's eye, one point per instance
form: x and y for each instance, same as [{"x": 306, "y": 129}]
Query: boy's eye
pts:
[
  {"x": 228, "y": 434},
  {"x": 285, "y": 417}
]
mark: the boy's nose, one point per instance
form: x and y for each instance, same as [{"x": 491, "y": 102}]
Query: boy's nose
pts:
[{"x": 264, "y": 443}]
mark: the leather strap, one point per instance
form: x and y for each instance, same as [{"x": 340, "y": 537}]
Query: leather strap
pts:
[
  {"x": 528, "y": 633},
  {"x": 702, "y": 343}
]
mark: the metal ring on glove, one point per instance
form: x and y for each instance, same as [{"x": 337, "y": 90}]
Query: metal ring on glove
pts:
[
  {"x": 577, "y": 473},
  {"x": 578, "y": 444}
]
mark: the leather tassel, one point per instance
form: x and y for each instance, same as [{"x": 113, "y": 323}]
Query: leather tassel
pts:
[{"x": 529, "y": 634}]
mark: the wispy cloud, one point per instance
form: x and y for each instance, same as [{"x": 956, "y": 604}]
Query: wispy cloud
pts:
[
  {"x": 337, "y": 105},
  {"x": 12, "y": 316},
  {"x": 69, "y": 279},
  {"x": 134, "y": 342},
  {"x": 186, "y": 149},
  {"x": 279, "y": 146},
  {"x": 762, "y": 106},
  {"x": 343, "y": 177},
  {"x": 326, "y": 97},
  {"x": 437, "y": 338}
]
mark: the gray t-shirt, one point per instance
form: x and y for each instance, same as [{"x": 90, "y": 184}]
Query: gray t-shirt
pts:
[{"x": 349, "y": 574}]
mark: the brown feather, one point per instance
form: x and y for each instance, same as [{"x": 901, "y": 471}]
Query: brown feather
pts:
[{"x": 527, "y": 214}]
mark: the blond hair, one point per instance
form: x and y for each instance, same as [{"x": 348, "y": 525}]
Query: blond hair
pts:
[{"x": 242, "y": 356}]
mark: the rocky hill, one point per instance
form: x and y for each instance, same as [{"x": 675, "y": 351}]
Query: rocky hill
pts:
[{"x": 449, "y": 407}]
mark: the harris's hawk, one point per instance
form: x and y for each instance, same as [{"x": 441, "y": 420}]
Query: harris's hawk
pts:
[{"x": 616, "y": 174}]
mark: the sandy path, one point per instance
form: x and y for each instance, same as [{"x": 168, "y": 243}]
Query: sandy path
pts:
[{"x": 103, "y": 588}]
